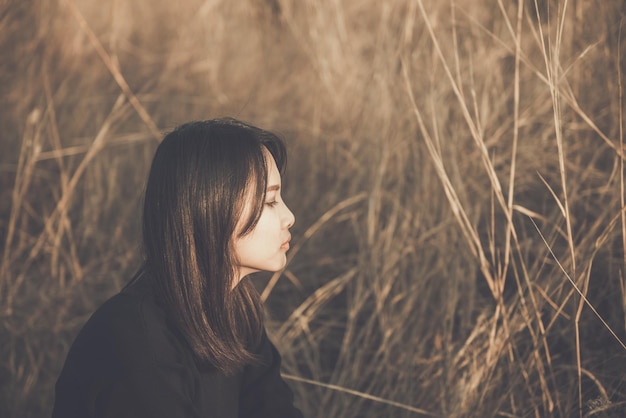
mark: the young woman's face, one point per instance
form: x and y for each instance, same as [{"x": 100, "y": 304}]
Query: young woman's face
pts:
[{"x": 265, "y": 247}]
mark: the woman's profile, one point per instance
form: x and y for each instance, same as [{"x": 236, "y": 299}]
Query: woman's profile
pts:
[{"x": 185, "y": 338}]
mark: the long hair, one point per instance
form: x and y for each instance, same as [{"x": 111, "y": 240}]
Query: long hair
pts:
[{"x": 200, "y": 176}]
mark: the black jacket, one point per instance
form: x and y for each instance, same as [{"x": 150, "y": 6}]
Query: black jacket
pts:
[{"x": 127, "y": 361}]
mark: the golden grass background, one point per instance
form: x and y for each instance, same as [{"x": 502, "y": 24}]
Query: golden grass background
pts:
[{"x": 456, "y": 169}]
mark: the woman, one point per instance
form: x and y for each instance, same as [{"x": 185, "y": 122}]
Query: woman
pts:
[{"x": 186, "y": 337}]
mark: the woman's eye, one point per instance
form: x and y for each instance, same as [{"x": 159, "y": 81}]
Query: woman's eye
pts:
[{"x": 272, "y": 203}]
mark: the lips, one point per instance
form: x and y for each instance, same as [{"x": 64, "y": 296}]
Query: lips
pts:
[{"x": 285, "y": 245}]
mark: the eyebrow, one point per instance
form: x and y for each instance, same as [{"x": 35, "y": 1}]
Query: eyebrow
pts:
[{"x": 273, "y": 188}]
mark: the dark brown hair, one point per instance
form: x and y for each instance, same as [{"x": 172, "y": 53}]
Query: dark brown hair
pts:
[{"x": 200, "y": 175}]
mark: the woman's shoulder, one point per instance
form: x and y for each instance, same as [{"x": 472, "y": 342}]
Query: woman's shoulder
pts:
[
  {"x": 127, "y": 359},
  {"x": 131, "y": 308},
  {"x": 130, "y": 328}
]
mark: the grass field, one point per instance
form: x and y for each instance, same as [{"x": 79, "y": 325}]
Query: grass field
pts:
[{"x": 456, "y": 170}]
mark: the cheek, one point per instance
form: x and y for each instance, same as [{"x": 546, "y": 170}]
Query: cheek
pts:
[{"x": 268, "y": 225}]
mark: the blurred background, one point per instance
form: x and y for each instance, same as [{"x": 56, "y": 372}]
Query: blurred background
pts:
[{"x": 456, "y": 170}]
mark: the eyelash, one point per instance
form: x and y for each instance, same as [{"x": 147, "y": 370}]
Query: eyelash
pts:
[{"x": 272, "y": 204}]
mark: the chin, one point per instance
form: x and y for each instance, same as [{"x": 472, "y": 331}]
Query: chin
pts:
[
  {"x": 278, "y": 266},
  {"x": 270, "y": 265}
]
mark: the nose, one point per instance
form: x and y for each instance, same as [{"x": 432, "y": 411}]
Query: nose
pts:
[{"x": 289, "y": 218}]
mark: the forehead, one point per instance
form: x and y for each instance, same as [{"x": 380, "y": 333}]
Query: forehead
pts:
[{"x": 273, "y": 175}]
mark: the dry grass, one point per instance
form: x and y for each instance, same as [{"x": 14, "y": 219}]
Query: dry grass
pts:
[{"x": 456, "y": 170}]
